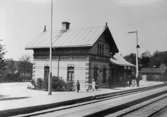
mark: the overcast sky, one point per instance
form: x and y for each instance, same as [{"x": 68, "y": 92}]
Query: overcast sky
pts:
[{"x": 22, "y": 20}]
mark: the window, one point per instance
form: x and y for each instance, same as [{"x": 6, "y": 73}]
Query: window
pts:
[
  {"x": 46, "y": 73},
  {"x": 100, "y": 49},
  {"x": 70, "y": 73}
]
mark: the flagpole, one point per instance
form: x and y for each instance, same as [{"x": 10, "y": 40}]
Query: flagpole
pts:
[{"x": 50, "y": 54}]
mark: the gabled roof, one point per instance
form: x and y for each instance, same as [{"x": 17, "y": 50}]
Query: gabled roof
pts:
[
  {"x": 119, "y": 60},
  {"x": 84, "y": 37}
]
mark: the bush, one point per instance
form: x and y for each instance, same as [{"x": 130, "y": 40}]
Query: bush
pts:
[
  {"x": 58, "y": 84},
  {"x": 9, "y": 77},
  {"x": 70, "y": 86},
  {"x": 33, "y": 83},
  {"x": 39, "y": 84}
]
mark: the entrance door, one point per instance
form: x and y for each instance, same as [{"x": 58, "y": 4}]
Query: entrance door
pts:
[
  {"x": 70, "y": 74},
  {"x": 70, "y": 78},
  {"x": 46, "y": 76}
]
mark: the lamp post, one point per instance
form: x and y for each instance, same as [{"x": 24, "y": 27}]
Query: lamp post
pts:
[
  {"x": 137, "y": 51},
  {"x": 50, "y": 52}
]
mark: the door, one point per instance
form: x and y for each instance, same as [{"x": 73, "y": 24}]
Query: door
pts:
[
  {"x": 46, "y": 76},
  {"x": 70, "y": 74},
  {"x": 70, "y": 78}
]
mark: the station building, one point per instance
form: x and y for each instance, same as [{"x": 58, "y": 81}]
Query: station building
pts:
[{"x": 79, "y": 54}]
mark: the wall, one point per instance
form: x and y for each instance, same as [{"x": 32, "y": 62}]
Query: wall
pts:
[
  {"x": 100, "y": 62},
  {"x": 43, "y": 53},
  {"x": 100, "y": 66},
  {"x": 103, "y": 41},
  {"x": 80, "y": 64}
]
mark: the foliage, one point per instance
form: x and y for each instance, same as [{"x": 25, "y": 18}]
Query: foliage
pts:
[
  {"x": 11, "y": 78},
  {"x": 2, "y": 61},
  {"x": 58, "y": 84},
  {"x": 39, "y": 84},
  {"x": 155, "y": 60},
  {"x": 158, "y": 58},
  {"x": 25, "y": 68},
  {"x": 10, "y": 73},
  {"x": 145, "y": 61},
  {"x": 131, "y": 58},
  {"x": 16, "y": 71},
  {"x": 70, "y": 86},
  {"x": 33, "y": 83}
]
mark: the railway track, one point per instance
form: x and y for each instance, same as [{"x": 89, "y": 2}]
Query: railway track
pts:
[
  {"x": 96, "y": 99},
  {"x": 147, "y": 108},
  {"x": 160, "y": 113}
]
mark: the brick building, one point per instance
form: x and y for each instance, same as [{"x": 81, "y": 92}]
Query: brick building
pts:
[{"x": 79, "y": 54}]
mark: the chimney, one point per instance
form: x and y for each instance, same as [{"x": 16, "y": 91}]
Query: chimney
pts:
[
  {"x": 65, "y": 26},
  {"x": 44, "y": 28}
]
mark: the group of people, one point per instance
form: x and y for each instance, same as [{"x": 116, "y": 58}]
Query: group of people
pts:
[{"x": 91, "y": 86}]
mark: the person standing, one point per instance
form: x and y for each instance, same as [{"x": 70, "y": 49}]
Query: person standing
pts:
[
  {"x": 93, "y": 85},
  {"x": 130, "y": 79},
  {"x": 133, "y": 79},
  {"x": 78, "y": 86}
]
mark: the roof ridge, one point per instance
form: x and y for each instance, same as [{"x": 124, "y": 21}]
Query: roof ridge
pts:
[
  {"x": 87, "y": 27},
  {"x": 84, "y": 36}
]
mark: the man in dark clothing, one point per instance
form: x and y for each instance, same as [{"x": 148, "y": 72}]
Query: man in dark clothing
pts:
[
  {"x": 130, "y": 80},
  {"x": 78, "y": 86}
]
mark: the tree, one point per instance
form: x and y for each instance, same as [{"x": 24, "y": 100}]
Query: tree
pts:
[
  {"x": 131, "y": 58},
  {"x": 145, "y": 59},
  {"x": 158, "y": 58},
  {"x": 25, "y": 68},
  {"x": 11, "y": 66},
  {"x": 2, "y": 61},
  {"x": 11, "y": 72}
]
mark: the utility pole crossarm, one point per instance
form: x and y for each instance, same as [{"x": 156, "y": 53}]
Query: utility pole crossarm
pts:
[{"x": 133, "y": 31}]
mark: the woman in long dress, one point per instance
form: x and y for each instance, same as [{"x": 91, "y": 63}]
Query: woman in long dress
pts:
[{"x": 93, "y": 85}]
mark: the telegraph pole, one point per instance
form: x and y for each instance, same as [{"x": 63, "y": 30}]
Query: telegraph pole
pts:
[
  {"x": 50, "y": 52},
  {"x": 137, "y": 52}
]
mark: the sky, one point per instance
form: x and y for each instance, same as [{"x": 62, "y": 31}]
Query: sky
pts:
[{"x": 22, "y": 20}]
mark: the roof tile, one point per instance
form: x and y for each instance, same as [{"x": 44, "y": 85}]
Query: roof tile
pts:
[{"x": 72, "y": 38}]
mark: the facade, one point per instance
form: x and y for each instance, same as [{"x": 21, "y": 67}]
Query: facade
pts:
[
  {"x": 82, "y": 54},
  {"x": 121, "y": 71}
]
